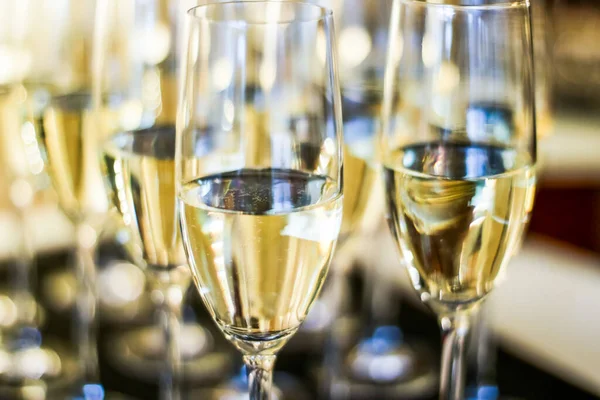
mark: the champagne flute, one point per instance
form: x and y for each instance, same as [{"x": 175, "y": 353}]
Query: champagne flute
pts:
[
  {"x": 259, "y": 165},
  {"x": 58, "y": 40},
  {"x": 68, "y": 137},
  {"x": 483, "y": 357},
  {"x": 362, "y": 42},
  {"x": 30, "y": 363},
  {"x": 459, "y": 154},
  {"x": 362, "y": 33},
  {"x": 139, "y": 168},
  {"x": 70, "y": 123}
]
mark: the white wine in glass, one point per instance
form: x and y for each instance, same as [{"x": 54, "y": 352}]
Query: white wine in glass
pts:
[
  {"x": 267, "y": 237},
  {"x": 140, "y": 168},
  {"x": 68, "y": 133},
  {"x": 69, "y": 136},
  {"x": 458, "y": 211},
  {"x": 362, "y": 182},
  {"x": 259, "y": 164},
  {"x": 459, "y": 153}
]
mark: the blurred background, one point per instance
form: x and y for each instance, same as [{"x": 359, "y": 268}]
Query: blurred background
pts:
[{"x": 541, "y": 330}]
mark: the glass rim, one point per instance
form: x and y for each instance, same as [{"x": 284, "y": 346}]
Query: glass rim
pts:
[
  {"x": 504, "y": 5},
  {"x": 324, "y": 12}
]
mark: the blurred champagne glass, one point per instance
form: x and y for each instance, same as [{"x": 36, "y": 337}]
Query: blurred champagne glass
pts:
[
  {"x": 362, "y": 28},
  {"x": 30, "y": 366},
  {"x": 139, "y": 165},
  {"x": 362, "y": 43},
  {"x": 68, "y": 134},
  {"x": 69, "y": 122}
]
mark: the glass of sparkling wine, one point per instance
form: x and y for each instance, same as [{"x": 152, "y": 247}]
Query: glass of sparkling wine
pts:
[
  {"x": 139, "y": 167},
  {"x": 459, "y": 154},
  {"x": 67, "y": 131},
  {"x": 259, "y": 169}
]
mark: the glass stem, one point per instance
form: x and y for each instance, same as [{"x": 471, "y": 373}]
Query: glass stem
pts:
[
  {"x": 486, "y": 352},
  {"x": 23, "y": 279},
  {"x": 260, "y": 375},
  {"x": 85, "y": 252},
  {"x": 455, "y": 338},
  {"x": 380, "y": 306},
  {"x": 335, "y": 296},
  {"x": 168, "y": 297},
  {"x": 21, "y": 276}
]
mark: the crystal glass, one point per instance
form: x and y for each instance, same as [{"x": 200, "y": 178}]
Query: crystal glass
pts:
[
  {"x": 459, "y": 154},
  {"x": 259, "y": 164},
  {"x": 362, "y": 28},
  {"x": 361, "y": 32},
  {"x": 58, "y": 84},
  {"x": 139, "y": 85},
  {"x": 21, "y": 339},
  {"x": 93, "y": 74}
]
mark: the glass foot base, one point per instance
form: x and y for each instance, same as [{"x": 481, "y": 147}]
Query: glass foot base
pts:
[
  {"x": 379, "y": 361},
  {"x": 95, "y": 392},
  {"x": 486, "y": 392},
  {"x": 383, "y": 365},
  {"x": 422, "y": 387},
  {"x": 141, "y": 352},
  {"x": 285, "y": 387},
  {"x": 388, "y": 368}
]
